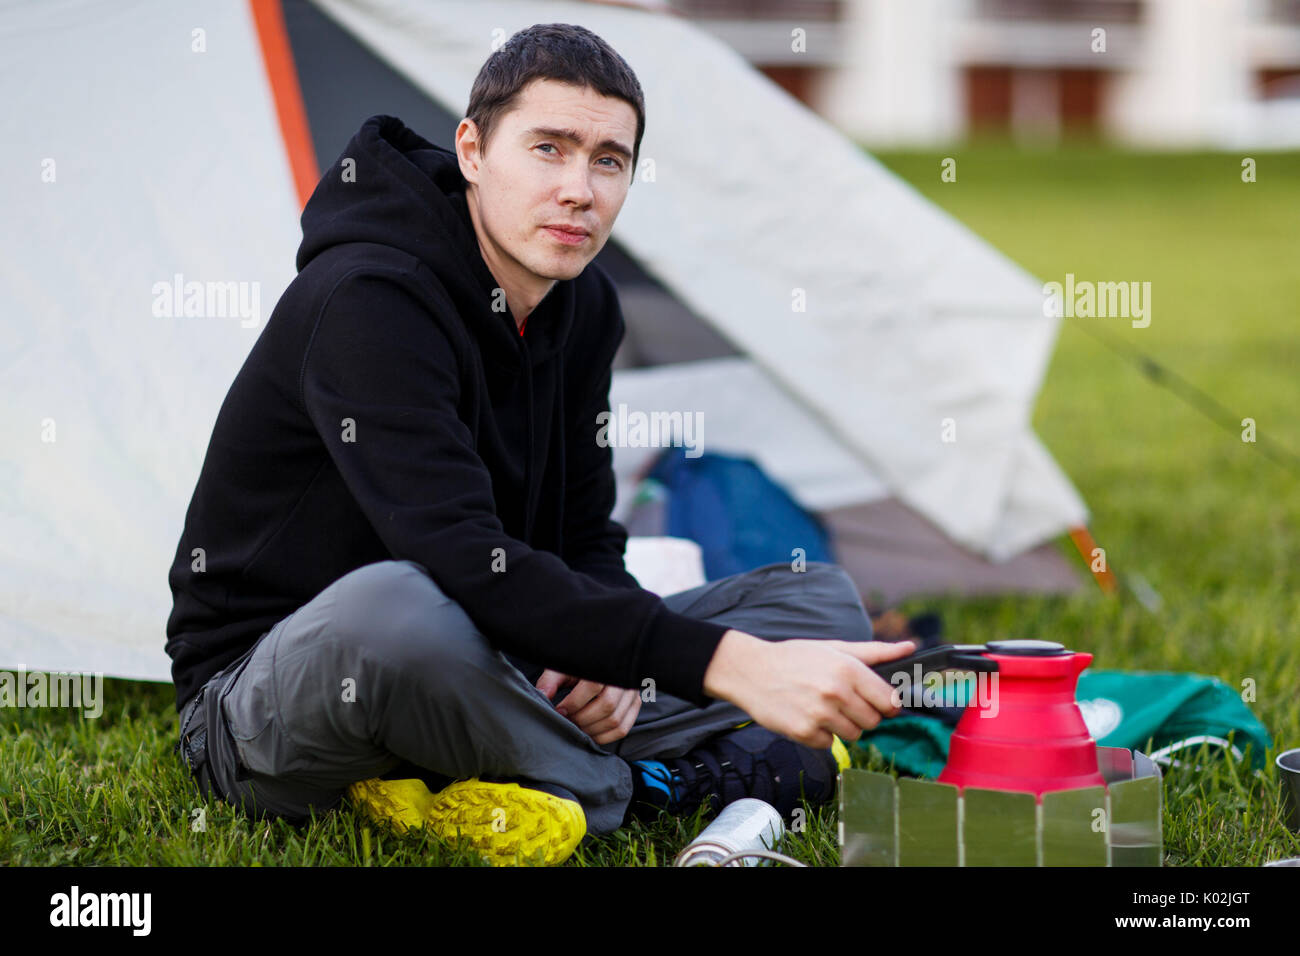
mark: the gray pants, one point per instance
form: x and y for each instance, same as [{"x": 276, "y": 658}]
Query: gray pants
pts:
[{"x": 382, "y": 670}]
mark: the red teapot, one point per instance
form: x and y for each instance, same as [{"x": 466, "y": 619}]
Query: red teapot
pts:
[{"x": 1027, "y": 734}]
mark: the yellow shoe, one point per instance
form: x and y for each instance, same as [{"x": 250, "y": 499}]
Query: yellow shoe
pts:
[
  {"x": 507, "y": 823},
  {"x": 840, "y": 753}
]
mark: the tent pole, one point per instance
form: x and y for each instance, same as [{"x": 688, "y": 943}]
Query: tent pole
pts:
[{"x": 1095, "y": 559}]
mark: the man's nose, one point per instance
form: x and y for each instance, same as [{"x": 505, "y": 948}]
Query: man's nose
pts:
[{"x": 576, "y": 184}]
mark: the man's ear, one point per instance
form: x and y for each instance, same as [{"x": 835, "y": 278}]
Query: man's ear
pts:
[{"x": 468, "y": 152}]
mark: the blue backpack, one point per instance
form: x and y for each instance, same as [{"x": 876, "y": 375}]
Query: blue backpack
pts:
[{"x": 739, "y": 517}]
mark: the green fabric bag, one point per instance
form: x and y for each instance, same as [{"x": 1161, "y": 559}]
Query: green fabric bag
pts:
[{"x": 1137, "y": 711}]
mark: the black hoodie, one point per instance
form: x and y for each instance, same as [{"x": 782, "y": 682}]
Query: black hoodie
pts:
[{"x": 387, "y": 411}]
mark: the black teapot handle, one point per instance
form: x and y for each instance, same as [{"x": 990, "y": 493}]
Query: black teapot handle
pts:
[{"x": 966, "y": 657}]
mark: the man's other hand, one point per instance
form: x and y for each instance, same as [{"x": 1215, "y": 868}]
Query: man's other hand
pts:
[{"x": 603, "y": 712}]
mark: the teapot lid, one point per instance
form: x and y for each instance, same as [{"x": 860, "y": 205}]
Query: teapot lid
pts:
[{"x": 1027, "y": 648}]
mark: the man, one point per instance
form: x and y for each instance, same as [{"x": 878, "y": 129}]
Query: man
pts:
[{"x": 398, "y": 577}]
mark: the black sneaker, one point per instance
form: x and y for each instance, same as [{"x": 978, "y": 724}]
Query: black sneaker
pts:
[{"x": 750, "y": 762}]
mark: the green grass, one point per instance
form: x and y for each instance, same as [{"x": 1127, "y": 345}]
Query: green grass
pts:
[
  {"x": 110, "y": 792},
  {"x": 1206, "y": 519}
]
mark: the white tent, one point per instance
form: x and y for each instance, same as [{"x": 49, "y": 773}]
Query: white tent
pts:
[{"x": 849, "y": 327}]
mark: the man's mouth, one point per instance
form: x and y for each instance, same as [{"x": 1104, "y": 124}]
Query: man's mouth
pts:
[{"x": 569, "y": 235}]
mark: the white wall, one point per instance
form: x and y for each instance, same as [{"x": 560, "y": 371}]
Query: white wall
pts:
[
  {"x": 1182, "y": 77},
  {"x": 899, "y": 83}
]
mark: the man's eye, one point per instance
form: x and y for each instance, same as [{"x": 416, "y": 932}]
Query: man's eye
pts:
[{"x": 617, "y": 164}]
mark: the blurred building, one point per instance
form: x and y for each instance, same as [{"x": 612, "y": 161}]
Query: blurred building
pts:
[{"x": 1211, "y": 73}]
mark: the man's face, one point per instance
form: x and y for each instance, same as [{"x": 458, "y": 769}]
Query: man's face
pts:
[{"x": 534, "y": 177}]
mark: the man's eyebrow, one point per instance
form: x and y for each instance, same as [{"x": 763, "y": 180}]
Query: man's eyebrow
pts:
[{"x": 573, "y": 136}]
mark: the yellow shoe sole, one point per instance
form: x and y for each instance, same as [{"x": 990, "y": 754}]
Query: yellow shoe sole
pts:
[{"x": 509, "y": 824}]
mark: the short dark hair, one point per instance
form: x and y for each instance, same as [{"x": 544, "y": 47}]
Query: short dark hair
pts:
[{"x": 552, "y": 51}]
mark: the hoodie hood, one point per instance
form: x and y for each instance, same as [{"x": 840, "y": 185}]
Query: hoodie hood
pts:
[{"x": 393, "y": 187}]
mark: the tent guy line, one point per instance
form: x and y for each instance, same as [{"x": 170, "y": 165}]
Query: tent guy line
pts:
[{"x": 1192, "y": 395}]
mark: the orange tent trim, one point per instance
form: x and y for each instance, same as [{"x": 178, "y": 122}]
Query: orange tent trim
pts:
[{"x": 277, "y": 56}]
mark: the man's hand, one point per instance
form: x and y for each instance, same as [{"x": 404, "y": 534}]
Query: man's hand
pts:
[
  {"x": 603, "y": 712},
  {"x": 806, "y": 689}
]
